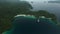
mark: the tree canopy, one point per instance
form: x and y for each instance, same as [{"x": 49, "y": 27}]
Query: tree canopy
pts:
[{"x": 9, "y": 9}]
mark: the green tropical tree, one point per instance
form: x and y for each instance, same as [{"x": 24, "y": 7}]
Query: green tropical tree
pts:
[
  {"x": 9, "y": 9},
  {"x": 47, "y": 15}
]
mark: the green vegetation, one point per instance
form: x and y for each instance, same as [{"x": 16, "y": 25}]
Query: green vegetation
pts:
[{"x": 8, "y": 11}]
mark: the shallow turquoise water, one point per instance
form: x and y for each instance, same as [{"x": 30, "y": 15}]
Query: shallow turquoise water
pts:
[{"x": 29, "y": 25}]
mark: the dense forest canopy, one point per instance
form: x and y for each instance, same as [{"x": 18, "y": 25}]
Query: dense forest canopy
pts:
[{"x": 10, "y": 9}]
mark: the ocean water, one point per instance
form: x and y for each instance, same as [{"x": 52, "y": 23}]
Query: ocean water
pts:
[{"x": 26, "y": 25}]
